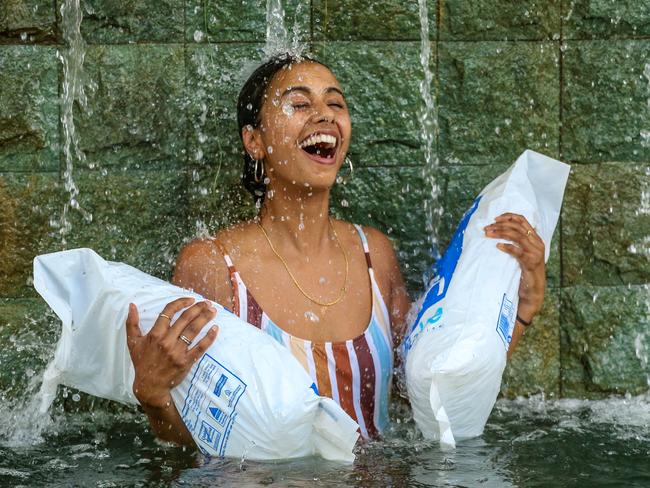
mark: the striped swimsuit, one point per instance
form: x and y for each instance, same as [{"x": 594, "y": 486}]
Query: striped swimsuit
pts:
[{"x": 356, "y": 373}]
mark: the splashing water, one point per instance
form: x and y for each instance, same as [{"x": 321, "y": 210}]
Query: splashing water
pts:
[
  {"x": 73, "y": 84},
  {"x": 429, "y": 128},
  {"x": 641, "y": 351}
]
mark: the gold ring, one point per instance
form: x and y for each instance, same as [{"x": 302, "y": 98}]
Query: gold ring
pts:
[
  {"x": 185, "y": 340},
  {"x": 166, "y": 316},
  {"x": 529, "y": 233}
]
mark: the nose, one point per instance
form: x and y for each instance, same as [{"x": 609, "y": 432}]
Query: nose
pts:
[{"x": 323, "y": 112}]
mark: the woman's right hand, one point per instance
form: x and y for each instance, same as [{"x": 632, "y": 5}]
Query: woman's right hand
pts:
[{"x": 161, "y": 358}]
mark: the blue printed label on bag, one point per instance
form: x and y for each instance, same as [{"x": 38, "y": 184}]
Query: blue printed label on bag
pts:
[
  {"x": 431, "y": 312},
  {"x": 210, "y": 404},
  {"x": 504, "y": 321}
]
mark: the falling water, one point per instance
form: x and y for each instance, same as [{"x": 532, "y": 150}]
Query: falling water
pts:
[
  {"x": 645, "y": 133},
  {"x": 72, "y": 59},
  {"x": 277, "y": 36},
  {"x": 641, "y": 350},
  {"x": 276, "y": 33},
  {"x": 26, "y": 419},
  {"x": 428, "y": 130}
]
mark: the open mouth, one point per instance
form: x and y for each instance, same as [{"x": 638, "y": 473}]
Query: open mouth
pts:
[{"x": 321, "y": 147}]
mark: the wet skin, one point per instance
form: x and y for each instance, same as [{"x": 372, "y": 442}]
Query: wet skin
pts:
[{"x": 301, "y": 101}]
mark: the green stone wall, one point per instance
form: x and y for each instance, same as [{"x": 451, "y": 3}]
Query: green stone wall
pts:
[{"x": 565, "y": 78}]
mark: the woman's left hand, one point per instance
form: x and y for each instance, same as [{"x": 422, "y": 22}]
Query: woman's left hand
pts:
[{"x": 528, "y": 250}]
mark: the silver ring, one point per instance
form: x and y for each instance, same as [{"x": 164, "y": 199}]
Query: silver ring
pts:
[{"x": 185, "y": 339}]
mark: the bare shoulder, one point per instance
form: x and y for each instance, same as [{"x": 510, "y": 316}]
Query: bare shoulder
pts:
[
  {"x": 200, "y": 267},
  {"x": 382, "y": 251}
]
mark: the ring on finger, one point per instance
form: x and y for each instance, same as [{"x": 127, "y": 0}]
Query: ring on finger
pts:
[
  {"x": 529, "y": 233},
  {"x": 166, "y": 316},
  {"x": 185, "y": 339}
]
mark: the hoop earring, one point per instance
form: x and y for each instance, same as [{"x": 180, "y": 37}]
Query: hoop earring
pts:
[
  {"x": 258, "y": 171},
  {"x": 344, "y": 179}
]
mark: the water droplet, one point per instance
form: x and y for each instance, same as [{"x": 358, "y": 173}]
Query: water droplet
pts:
[
  {"x": 269, "y": 149},
  {"x": 198, "y": 36},
  {"x": 345, "y": 203},
  {"x": 311, "y": 316}
]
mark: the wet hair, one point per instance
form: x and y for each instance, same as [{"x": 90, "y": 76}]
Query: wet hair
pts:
[{"x": 249, "y": 108}]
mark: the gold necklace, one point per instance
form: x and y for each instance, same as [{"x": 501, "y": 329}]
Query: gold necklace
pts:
[{"x": 295, "y": 282}]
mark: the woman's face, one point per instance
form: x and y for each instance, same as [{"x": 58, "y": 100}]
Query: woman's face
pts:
[{"x": 305, "y": 127}]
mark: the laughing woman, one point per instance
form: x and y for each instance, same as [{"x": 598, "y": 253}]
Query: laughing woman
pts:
[{"x": 329, "y": 290}]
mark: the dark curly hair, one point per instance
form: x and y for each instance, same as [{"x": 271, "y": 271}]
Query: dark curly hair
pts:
[{"x": 249, "y": 108}]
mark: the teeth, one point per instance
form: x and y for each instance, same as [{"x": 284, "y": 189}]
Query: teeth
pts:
[{"x": 318, "y": 138}]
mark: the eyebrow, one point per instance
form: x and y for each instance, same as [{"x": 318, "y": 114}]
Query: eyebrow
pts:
[{"x": 307, "y": 90}]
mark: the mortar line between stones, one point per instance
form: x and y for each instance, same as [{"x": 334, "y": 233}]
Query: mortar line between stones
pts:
[{"x": 560, "y": 226}]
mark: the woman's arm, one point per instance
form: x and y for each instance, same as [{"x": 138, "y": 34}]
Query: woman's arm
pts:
[
  {"x": 528, "y": 250},
  {"x": 160, "y": 358},
  {"x": 391, "y": 282}
]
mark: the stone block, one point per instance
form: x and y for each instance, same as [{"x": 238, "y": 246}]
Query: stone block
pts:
[
  {"x": 28, "y": 332},
  {"x": 381, "y": 86},
  {"x": 138, "y": 217},
  {"x": 605, "y": 112},
  {"x": 459, "y": 186},
  {"x": 27, "y": 22},
  {"x": 115, "y": 21},
  {"x": 606, "y": 225},
  {"x": 501, "y": 20},
  {"x": 215, "y": 74},
  {"x": 354, "y": 20},
  {"x": 135, "y": 117},
  {"x": 497, "y": 99},
  {"x": 390, "y": 199},
  {"x": 29, "y": 111},
  {"x": 590, "y": 19},
  {"x": 28, "y": 203},
  {"x": 605, "y": 339},
  {"x": 243, "y": 20},
  {"x": 535, "y": 363}
]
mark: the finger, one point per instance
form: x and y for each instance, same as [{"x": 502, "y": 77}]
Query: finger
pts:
[
  {"x": 178, "y": 327},
  {"x": 514, "y": 235},
  {"x": 197, "y": 351},
  {"x": 196, "y": 325},
  {"x": 529, "y": 235},
  {"x": 512, "y": 217},
  {"x": 515, "y": 251},
  {"x": 133, "y": 332},
  {"x": 162, "y": 323}
]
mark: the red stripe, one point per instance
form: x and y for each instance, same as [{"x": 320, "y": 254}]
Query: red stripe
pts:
[
  {"x": 344, "y": 378},
  {"x": 368, "y": 262},
  {"x": 254, "y": 312},
  {"x": 367, "y": 383}
]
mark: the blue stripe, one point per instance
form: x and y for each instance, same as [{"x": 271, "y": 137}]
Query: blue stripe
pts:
[
  {"x": 274, "y": 331},
  {"x": 385, "y": 356}
]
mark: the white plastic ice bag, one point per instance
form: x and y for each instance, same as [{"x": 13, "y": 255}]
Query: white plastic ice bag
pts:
[
  {"x": 247, "y": 395},
  {"x": 456, "y": 348}
]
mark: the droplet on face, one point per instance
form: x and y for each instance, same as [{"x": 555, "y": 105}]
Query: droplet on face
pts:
[
  {"x": 288, "y": 109},
  {"x": 269, "y": 149}
]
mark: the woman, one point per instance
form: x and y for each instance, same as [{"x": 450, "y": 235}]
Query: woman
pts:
[{"x": 329, "y": 290}]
